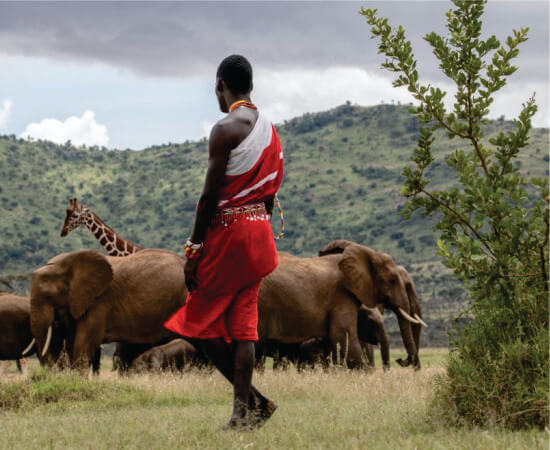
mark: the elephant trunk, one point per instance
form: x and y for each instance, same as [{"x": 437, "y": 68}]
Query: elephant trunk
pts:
[
  {"x": 41, "y": 327},
  {"x": 408, "y": 342},
  {"x": 416, "y": 312}
]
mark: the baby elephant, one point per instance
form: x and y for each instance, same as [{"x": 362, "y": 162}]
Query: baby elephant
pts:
[
  {"x": 371, "y": 331},
  {"x": 177, "y": 355}
]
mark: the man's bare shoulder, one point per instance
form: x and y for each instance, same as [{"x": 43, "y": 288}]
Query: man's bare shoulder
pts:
[
  {"x": 228, "y": 124},
  {"x": 233, "y": 128}
]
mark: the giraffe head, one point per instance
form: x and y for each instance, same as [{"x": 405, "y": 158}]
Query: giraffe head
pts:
[{"x": 76, "y": 216}]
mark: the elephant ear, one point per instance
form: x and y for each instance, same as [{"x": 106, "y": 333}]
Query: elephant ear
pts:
[
  {"x": 90, "y": 275},
  {"x": 334, "y": 247},
  {"x": 358, "y": 270}
]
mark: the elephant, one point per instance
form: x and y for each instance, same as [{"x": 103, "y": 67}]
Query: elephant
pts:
[
  {"x": 107, "y": 298},
  {"x": 16, "y": 339},
  {"x": 304, "y": 298},
  {"x": 371, "y": 331},
  {"x": 373, "y": 278},
  {"x": 319, "y": 297},
  {"x": 126, "y": 353},
  {"x": 176, "y": 355}
]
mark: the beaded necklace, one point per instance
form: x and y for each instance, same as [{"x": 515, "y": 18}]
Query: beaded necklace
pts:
[
  {"x": 240, "y": 103},
  {"x": 250, "y": 105}
]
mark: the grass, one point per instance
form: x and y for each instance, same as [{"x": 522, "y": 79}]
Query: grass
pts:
[{"x": 334, "y": 409}]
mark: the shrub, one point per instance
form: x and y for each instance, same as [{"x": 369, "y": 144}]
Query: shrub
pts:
[{"x": 493, "y": 224}]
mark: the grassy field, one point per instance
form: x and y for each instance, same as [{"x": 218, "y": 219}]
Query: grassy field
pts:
[{"x": 332, "y": 409}]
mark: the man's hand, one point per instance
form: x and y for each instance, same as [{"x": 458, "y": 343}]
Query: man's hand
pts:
[{"x": 190, "y": 271}]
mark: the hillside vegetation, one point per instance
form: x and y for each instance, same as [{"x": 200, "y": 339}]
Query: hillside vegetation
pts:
[{"x": 343, "y": 181}]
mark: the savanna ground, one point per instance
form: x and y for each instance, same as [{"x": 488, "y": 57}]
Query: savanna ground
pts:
[{"x": 317, "y": 409}]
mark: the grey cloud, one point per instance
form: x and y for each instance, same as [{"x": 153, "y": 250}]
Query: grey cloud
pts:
[{"x": 183, "y": 39}]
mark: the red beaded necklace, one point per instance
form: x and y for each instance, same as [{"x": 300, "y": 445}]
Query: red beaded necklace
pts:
[{"x": 240, "y": 103}]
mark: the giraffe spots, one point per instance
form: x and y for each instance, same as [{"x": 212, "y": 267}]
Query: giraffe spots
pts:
[
  {"x": 103, "y": 240},
  {"x": 94, "y": 227}
]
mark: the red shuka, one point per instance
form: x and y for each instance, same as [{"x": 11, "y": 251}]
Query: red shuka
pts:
[{"x": 237, "y": 254}]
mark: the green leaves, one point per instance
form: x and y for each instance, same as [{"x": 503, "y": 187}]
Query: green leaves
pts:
[{"x": 494, "y": 226}]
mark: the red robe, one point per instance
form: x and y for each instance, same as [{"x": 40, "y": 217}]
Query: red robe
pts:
[{"x": 239, "y": 250}]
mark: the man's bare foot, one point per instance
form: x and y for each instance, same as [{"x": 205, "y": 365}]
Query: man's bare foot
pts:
[
  {"x": 262, "y": 413},
  {"x": 241, "y": 417}
]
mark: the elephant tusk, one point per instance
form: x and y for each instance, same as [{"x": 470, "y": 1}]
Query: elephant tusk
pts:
[
  {"x": 406, "y": 316},
  {"x": 417, "y": 317},
  {"x": 29, "y": 348},
  {"x": 48, "y": 339}
]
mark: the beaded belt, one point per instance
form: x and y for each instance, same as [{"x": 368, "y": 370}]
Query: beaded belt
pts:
[{"x": 227, "y": 216}]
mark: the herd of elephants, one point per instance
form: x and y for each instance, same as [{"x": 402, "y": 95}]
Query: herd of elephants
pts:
[{"x": 324, "y": 310}]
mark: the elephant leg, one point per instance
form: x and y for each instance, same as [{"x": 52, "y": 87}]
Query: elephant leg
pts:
[
  {"x": 260, "y": 357},
  {"x": 88, "y": 338},
  {"x": 343, "y": 336},
  {"x": 96, "y": 361},
  {"x": 278, "y": 361},
  {"x": 126, "y": 353},
  {"x": 369, "y": 352}
]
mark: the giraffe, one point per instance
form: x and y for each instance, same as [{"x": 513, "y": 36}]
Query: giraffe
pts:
[{"x": 78, "y": 215}]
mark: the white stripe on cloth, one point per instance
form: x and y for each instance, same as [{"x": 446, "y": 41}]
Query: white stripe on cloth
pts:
[
  {"x": 247, "y": 191},
  {"x": 243, "y": 157}
]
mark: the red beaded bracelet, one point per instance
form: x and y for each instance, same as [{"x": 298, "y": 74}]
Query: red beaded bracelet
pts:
[{"x": 192, "y": 251}]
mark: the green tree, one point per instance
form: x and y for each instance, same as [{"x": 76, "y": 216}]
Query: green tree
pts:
[{"x": 493, "y": 224}]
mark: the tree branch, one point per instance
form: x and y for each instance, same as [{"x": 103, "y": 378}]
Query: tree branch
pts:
[{"x": 462, "y": 219}]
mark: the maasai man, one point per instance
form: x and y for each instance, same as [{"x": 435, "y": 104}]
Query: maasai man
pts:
[{"x": 232, "y": 247}]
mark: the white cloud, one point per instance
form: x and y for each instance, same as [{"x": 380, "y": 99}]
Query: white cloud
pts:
[
  {"x": 286, "y": 94},
  {"x": 83, "y": 130},
  {"x": 5, "y": 111},
  {"x": 509, "y": 101}
]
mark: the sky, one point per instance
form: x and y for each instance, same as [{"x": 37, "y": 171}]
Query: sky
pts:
[{"x": 136, "y": 74}]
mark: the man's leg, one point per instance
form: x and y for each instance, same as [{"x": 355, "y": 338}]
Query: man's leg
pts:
[
  {"x": 223, "y": 356},
  {"x": 242, "y": 380}
]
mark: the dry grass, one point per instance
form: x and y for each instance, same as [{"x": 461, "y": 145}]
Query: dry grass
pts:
[{"x": 334, "y": 409}]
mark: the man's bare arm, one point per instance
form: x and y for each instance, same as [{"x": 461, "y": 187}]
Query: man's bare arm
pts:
[{"x": 222, "y": 139}]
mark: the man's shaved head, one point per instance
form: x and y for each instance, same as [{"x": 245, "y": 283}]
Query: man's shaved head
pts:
[{"x": 236, "y": 72}]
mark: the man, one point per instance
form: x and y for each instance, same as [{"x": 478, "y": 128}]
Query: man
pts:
[{"x": 232, "y": 247}]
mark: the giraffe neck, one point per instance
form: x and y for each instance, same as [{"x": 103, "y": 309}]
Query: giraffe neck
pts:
[{"x": 113, "y": 244}]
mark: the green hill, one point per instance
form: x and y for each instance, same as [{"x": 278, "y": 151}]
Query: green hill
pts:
[{"x": 342, "y": 180}]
